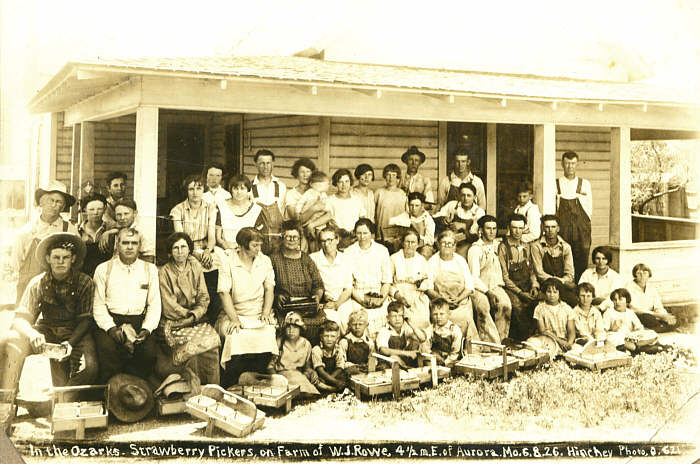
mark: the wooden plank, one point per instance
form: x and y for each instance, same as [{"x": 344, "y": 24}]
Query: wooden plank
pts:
[
  {"x": 87, "y": 152},
  {"x": 567, "y": 137},
  {"x": 281, "y": 142},
  {"x": 302, "y": 129},
  {"x": 384, "y": 141},
  {"x": 544, "y": 167},
  {"x": 384, "y": 130},
  {"x": 324, "y": 146},
  {"x": 620, "y": 188},
  {"x": 279, "y": 121},
  {"x": 145, "y": 165},
  {"x": 585, "y": 156},
  {"x": 574, "y": 128},
  {"x": 380, "y": 121},
  {"x": 491, "y": 169},
  {"x": 584, "y": 146},
  {"x": 286, "y": 156},
  {"x": 376, "y": 162},
  {"x": 74, "y": 185},
  {"x": 378, "y": 152},
  {"x": 115, "y": 143},
  {"x": 111, "y": 103}
]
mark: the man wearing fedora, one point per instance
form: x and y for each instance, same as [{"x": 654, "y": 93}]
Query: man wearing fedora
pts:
[
  {"x": 126, "y": 309},
  {"x": 448, "y": 189},
  {"x": 52, "y": 199},
  {"x": 412, "y": 180},
  {"x": 62, "y": 296}
]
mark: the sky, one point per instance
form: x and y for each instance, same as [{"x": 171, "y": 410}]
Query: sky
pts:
[{"x": 653, "y": 40}]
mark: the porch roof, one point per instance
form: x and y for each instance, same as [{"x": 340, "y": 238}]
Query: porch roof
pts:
[{"x": 83, "y": 79}]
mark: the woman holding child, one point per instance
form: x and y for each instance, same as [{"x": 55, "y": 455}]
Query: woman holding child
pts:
[{"x": 412, "y": 279}]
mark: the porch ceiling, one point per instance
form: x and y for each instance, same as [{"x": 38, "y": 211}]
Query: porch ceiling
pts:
[{"x": 78, "y": 81}]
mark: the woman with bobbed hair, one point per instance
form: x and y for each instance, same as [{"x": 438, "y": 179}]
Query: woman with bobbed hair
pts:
[
  {"x": 365, "y": 176},
  {"x": 301, "y": 171},
  {"x": 237, "y": 212},
  {"x": 247, "y": 324},
  {"x": 346, "y": 209},
  {"x": 601, "y": 276},
  {"x": 646, "y": 301},
  {"x": 184, "y": 302}
]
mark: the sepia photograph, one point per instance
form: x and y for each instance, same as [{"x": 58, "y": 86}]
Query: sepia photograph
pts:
[{"x": 321, "y": 231}]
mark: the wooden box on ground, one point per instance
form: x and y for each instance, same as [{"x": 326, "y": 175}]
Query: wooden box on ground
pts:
[
  {"x": 530, "y": 356},
  {"x": 597, "y": 356},
  {"x": 166, "y": 407},
  {"x": 269, "y": 396},
  {"x": 225, "y": 410},
  {"x": 428, "y": 370},
  {"x": 78, "y": 416},
  {"x": 383, "y": 381},
  {"x": 487, "y": 364}
]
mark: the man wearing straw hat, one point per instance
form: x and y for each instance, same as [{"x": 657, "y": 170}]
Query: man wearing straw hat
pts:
[
  {"x": 62, "y": 296},
  {"x": 52, "y": 199}
]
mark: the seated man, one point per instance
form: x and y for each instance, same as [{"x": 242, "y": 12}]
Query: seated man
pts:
[
  {"x": 417, "y": 217},
  {"x": 461, "y": 216},
  {"x": 126, "y": 213},
  {"x": 62, "y": 296},
  {"x": 552, "y": 258},
  {"x": 127, "y": 310}
]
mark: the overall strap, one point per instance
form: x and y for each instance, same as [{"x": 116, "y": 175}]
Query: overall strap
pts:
[
  {"x": 578, "y": 187},
  {"x": 558, "y": 188},
  {"x": 255, "y": 191},
  {"x": 277, "y": 188},
  {"x": 148, "y": 282},
  {"x": 109, "y": 272},
  {"x": 65, "y": 226}
]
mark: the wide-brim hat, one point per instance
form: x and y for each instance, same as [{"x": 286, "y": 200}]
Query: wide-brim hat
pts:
[
  {"x": 293, "y": 318},
  {"x": 79, "y": 248},
  {"x": 130, "y": 397},
  {"x": 413, "y": 150},
  {"x": 54, "y": 186}
]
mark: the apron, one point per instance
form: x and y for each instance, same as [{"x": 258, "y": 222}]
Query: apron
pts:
[
  {"x": 260, "y": 338},
  {"x": 419, "y": 310},
  {"x": 575, "y": 227},
  {"x": 358, "y": 352},
  {"x": 452, "y": 283},
  {"x": 31, "y": 266}
]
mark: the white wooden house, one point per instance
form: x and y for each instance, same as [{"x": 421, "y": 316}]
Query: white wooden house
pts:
[{"x": 159, "y": 119}]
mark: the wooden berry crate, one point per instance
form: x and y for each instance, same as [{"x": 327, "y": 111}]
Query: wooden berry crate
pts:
[
  {"x": 428, "y": 369},
  {"x": 598, "y": 356},
  {"x": 166, "y": 407},
  {"x": 530, "y": 356},
  {"x": 78, "y": 416},
  {"x": 375, "y": 382},
  {"x": 227, "y": 411},
  {"x": 486, "y": 364},
  {"x": 270, "y": 396}
]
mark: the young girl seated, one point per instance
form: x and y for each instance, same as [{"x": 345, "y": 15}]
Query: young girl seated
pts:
[
  {"x": 399, "y": 339},
  {"x": 294, "y": 359},
  {"x": 328, "y": 359},
  {"x": 555, "y": 321},
  {"x": 587, "y": 318},
  {"x": 391, "y": 200},
  {"x": 356, "y": 346},
  {"x": 443, "y": 337},
  {"x": 621, "y": 321}
]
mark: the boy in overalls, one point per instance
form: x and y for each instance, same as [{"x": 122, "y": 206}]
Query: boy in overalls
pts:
[
  {"x": 443, "y": 337},
  {"x": 552, "y": 258}
]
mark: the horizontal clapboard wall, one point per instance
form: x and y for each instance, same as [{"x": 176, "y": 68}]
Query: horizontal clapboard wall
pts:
[
  {"x": 289, "y": 137},
  {"x": 592, "y": 144},
  {"x": 379, "y": 142},
  {"x": 115, "y": 142},
  {"x": 64, "y": 150}
]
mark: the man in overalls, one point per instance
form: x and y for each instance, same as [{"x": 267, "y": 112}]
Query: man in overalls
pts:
[
  {"x": 574, "y": 209},
  {"x": 519, "y": 279},
  {"x": 62, "y": 296},
  {"x": 551, "y": 258},
  {"x": 127, "y": 310},
  {"x": 52, "y": 199},
  {"x": 268, "y": 191},
  {"x": 489, "y": 295},
  {"x": 449, "y": 187}
]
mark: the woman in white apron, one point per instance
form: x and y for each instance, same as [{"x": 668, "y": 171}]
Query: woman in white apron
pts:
[{"x": 412, "y": 280}]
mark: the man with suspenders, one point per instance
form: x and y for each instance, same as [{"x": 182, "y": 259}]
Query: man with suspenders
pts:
[
  {"x": 268, "y": 191},
  {"x": 52, "y": 199},
  {"x": 574, "y": 209},
  {"x": 127, "y": 310},
  {"x": 449, "y": 187}
]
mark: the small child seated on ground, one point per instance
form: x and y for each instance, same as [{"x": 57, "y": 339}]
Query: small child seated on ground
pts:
[
  {"x": 356, "y": 346},
  {"x": 555, "y": 321},
  {"x": 312, "y": 208},
  {"x": 328, "y": 359},
  {"x": 399, "y": 339},
  {"x": 443, "y": 336},
  {"x": 587, "y": 318},
  {"x": 621, "y": 321},
  {"x": 294, "y": 359}
]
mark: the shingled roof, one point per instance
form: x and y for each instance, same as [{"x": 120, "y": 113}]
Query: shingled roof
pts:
[{"x": 300, "y": 70}]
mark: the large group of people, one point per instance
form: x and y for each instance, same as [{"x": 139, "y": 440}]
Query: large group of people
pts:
[{"x": 263, "y": 278}]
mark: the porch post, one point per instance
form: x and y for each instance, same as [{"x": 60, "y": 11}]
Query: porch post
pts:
[
  {"x": 544, "y": 175},
  {"x": 48, "y": 134},
  {"x": 87, "y": 153},
  {"x": 75, "y": 170},
  {"x": 620, "y": 188},
  {"x": 442, "y": 155},
  {"x": 146, "y": 168},
  {"x": 491, "y": 169}
]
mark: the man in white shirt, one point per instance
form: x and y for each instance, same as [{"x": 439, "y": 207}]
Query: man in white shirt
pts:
[
  {"x": 336, "y": 273},
  {"x": 449, "y": 187},
  {"x": 574, "y": 210},
  {"x": 417, "y": 217},
  {"x": 126, "y": 310},
  {"x": 213, "y": 174},
  {"x": 485, "y": 267},
  {"x": 52, "y": 199},
  {"x": 267, "y": 189}
]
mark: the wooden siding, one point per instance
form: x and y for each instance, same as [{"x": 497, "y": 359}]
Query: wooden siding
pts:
[
  {"x": 115, "y": 141},
  {"x": 289, "y": 137},
  {"x": 379, "y": 142},
  {"x": 593, "y": 147},
  {"x": 64, "y": 150}
]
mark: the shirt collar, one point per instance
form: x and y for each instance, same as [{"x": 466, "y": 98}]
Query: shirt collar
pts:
[
  {"x": 364, "y": 338},
  {"x": 128, "y": 267},
  {"x": 454, "y": 177},
  {"x": 544, "y": 243},
  {"x": 525, "y": 207},
  {"x": 272, "y": 179},
  {"x": 49, "y": 279}
]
